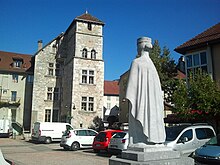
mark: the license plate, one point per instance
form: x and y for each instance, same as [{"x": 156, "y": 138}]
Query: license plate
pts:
[{"x": 97, "y": 145}]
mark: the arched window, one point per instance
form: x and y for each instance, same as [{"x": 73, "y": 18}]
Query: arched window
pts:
[
  {"x": 93, "y": 54},
  {"x": 84, "y": 53}
]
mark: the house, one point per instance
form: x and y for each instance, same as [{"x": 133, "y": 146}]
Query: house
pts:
[
  {"x": 69, "y": 75},
  {"x": 203, "y": 51},
  {"x": 16, "y": 82},
  {"x": 111, "y": 99}
]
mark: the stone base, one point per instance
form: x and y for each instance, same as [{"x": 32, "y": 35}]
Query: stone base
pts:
[{"x": 150, "y": 156}]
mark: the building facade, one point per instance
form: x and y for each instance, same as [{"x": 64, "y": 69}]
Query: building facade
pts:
[
  {"x": 69, "y": 75},
  {"x": 16, "y": 82},
  {"x": 203, "y": 51},
  {"x": 111, "y": 99}
]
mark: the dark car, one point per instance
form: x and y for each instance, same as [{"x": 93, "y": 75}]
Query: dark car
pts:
[
  {"x": 210, "y": 152},
  {"x": 102, "y": 140}
]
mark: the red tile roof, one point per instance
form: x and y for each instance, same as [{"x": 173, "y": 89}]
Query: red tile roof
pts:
[
  {"x": 111, "y": 88},
  {"x": 89, "y": 18},
  {"x": 6, "y": 62},
  {"x": 210, "y": 36}
]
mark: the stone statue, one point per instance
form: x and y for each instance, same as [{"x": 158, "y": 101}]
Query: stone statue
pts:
[{"x": 146, "y": 107}]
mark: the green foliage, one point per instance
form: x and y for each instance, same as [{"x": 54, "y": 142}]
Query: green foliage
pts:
[
  {"x": 201, "y": 98},
  {"x": 166, "y": 69},
  {"x": 98, "y": 124}
]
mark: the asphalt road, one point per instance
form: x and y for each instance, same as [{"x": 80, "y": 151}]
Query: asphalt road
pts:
[{"x": 23, "y": 152}]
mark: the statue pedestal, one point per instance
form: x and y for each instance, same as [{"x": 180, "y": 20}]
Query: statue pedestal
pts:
[{"x": 152, "y": 155}]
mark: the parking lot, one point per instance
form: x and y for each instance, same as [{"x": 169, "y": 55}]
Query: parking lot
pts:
[{"x": 24, "y": 152}]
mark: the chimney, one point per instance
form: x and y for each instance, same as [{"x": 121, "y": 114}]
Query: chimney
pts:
[{"x": 40, "y": 44}]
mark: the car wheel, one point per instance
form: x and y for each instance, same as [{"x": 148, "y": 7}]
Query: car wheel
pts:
[
  {"x": 96, "y": 151},
  {"x": 48, "y": 140},
  {"x": 75, "y": 146}
]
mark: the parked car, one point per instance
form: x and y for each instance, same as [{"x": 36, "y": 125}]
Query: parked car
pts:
[
  {"x": 5, "y": 128},
  {"x": 77, "y": 138},
  {"x": 49, "y": 131},
  {"x": 118, "y": 142},
  {"x": 210, "y": 152},
  {"x": 187, "y": 138},
  {"x": 102, "y": 140}
]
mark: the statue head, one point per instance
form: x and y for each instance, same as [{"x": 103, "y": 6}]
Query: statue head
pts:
[{"x": 144, "y": 44}]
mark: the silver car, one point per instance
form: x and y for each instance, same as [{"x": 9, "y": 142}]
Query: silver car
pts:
[
  {"x": 118, "y": 143},
  {"x": 187, "y": 138}
]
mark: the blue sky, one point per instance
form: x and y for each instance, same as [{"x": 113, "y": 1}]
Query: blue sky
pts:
[{"x": 172, "y": 22}]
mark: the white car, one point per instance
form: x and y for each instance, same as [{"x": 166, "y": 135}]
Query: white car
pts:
[
  {"x": 187, "y": 138},
  {"x": 118, "y": 143},
  {"x": 77, "y": 138}
]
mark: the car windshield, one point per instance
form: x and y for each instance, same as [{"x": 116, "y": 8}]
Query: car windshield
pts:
[
  {"x": 214, "y": 141},
  {"x": 119, "y": 135},
  {"x": 173, "y": 132}
]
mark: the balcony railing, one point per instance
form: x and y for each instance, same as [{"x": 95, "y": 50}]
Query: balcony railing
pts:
[{"x": 9, "y": 99}]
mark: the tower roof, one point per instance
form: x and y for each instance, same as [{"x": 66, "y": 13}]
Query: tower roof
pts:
[{"x": 87, "y": 17}]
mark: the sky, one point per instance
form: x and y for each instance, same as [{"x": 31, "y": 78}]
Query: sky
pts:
[{"x": 171, "y": 22}]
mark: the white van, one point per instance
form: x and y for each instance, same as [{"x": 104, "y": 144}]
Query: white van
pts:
[
  {"x": 48, "y": 131},
  {"x": 5, "y": 128},
  {"x": 186, "y": 138}
]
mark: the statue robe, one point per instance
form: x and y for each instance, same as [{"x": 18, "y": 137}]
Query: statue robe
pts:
[{"x": 146, "y": 108}]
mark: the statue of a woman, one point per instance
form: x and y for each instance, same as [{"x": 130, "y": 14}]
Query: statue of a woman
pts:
[{"x": 146, "y": 106}]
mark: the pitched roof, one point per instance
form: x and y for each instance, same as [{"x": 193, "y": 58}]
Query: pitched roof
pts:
[
  {"x": 7, "y": 59},
  {"x": 209, "y": 36},
  {"x": 89, "y": 18},
  {"x": 111, "y": 88}
]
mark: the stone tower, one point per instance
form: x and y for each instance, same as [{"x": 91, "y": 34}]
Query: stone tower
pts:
[{"x": 81, "y": 57}]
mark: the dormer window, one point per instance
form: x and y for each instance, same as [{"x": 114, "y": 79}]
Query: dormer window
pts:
[
  {"x": 17, "y": 63},
  {"x": 89, "y": 26},
  {"x": 93, "y": 54},
  {"x": 84, "y": 53}
]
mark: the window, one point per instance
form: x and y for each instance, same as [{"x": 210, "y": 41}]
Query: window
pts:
[
  {"x": 55, "y": 115},
  {"x": 84, "y": 103},
  {"x": 88, "y": 76},
  {"x": 15, "y": 78},
  {"x": 89, "y": 26},
  {"x": 57, "y": 70},
  {"x": 50, "y": 69},
  {"x": 13, "y": 95},
  {"x": 108, "y": 105},
  {"x": 17, "y": 63},
  {"x": 53, "y": 93},
  {"x": 30, "y": 78},
  {"x": 87, "y": 103},
  {"x": 91, "y": 104},
  {"x": 93, "y": 54},
  {"x": 91, "y": 133},
  {"x": 84, "y": 53},
  {"x": 49, "y": 93},
  {"x": 56, "y": 94},
  {"x": 109, "y": 98},
  {"x": 196, "y": 61},
  {"x": 187, "y": 134},
  {"x": 47, "y": 115},
  {"x": 204, "y": 133}
]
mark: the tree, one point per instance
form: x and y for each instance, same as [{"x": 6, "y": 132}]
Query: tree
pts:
[
  {"x": 166, "y": 69},
  {"x": 98, "y": 124},
  {"x": 199, "y": 98}
]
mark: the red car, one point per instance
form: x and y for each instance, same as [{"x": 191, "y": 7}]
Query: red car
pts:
[{"x": 102, "y": 140}]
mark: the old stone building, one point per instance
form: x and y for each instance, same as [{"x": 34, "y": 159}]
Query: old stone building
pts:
[{"x": 69, "y": 75}]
